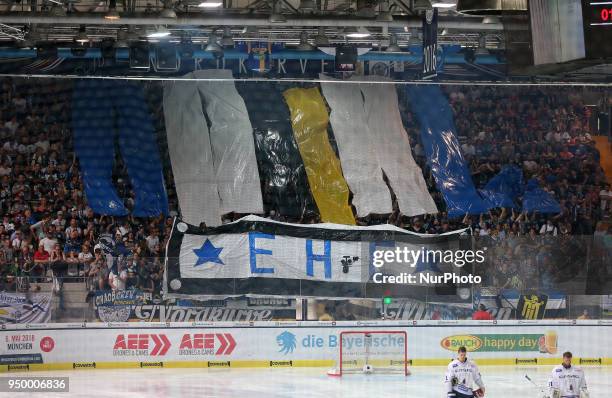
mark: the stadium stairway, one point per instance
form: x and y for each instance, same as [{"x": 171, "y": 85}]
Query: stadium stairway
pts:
[{"x": 605, "y": 152}]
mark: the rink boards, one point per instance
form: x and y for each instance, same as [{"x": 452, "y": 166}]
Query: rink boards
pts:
[{"x": 296, "y": 344}]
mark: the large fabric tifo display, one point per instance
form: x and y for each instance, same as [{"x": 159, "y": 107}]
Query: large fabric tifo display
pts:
[
  {"x": 255, "y": 256},
  {"x": 393, "y": 146},
  {"x": 285, "y": 185},
  {"x": 360, "y": 164},
  {"x": 100, "y": 109},
  {"x": 310, "y": 120},
  {"x": 16, "y": 308},
  {"x": 537, "y": 199},
  {"x": 503, "y": 189},
  {"x": 448, "y": 165},
  {"x": 215, "y": 171}
]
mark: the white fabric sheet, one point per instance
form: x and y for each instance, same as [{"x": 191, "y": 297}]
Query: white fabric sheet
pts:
[
  {"x": 360, "y": 164},
  {"x": 393, "y": 148},
  {"x": 190, "y": 154},
  {"x": 233, "y": 146},
  {"x": 215, "y": 171}
]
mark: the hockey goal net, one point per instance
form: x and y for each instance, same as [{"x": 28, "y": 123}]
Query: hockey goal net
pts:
[{"x": 371, "y": 352}]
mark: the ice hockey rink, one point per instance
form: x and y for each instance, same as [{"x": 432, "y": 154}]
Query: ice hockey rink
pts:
[{"x": 425, "y": 382}]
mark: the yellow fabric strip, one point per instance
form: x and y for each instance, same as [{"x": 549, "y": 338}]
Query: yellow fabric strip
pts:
[{"x": 309, "y": 119}]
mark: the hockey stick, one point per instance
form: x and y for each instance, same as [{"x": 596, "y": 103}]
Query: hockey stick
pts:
[{"x": 536, "y": 386}]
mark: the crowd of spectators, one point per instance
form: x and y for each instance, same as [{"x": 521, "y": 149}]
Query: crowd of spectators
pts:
[
  {"x": 47, "y": 229},
  {"x": 48, "y": 232},
  {"x": 545, "y": 132}
]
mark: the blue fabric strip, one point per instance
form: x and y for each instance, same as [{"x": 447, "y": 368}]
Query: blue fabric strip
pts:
[
  {"x": 100, "y": 108},
  {"x": 503, "y": 189},
  {"x": 537, "y": 199},
  {"x": 444, "y": 157}
]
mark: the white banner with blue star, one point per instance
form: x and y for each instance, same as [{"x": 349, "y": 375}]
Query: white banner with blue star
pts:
[{"x": 255, "y": 256}]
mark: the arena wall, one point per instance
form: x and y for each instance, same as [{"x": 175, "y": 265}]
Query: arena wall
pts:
[{"x": 293, "y": 344}]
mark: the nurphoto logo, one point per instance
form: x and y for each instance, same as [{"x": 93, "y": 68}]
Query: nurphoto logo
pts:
[{"x": 421, "y": 259}]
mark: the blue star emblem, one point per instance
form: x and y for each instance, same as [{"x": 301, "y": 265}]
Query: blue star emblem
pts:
[{"x": 208, "y": 253}]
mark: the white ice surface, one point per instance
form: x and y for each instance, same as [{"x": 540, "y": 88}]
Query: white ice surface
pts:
[{"x": 425, "y": 382}]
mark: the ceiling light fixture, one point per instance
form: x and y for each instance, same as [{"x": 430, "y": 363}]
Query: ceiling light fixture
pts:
[
  {"x": 355, "y": 33},
  {"x": 227, "y": 40},
  {"x": 490, "y": 19},
  {"x": 167, "y": 12},
  {"x": 384, "y": 14},
  {"x": 304, "y": 45},
  {"x": 213, "y": 47},
  {"x": 82, "y": 37},
  {"x": 112, "y": 13},
  {"x": 250, "y": 30},
  {"x": 320, "y": 39},
  {"x": 210, "y": 4},
  {"x": 443, "y": 4},
  {"x": 159, "y": 32},
  {"x": 277, "y": 13}
]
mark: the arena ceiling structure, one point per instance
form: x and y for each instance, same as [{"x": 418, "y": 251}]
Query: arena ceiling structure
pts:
[
  {"x": 487, "y": 39},
  {"x": 377, "y": 23}
]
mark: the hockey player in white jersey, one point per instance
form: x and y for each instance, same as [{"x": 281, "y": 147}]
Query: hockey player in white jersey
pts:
[
  {"x": 567, "y": 381},
  {"x": 463, "y": 378}
]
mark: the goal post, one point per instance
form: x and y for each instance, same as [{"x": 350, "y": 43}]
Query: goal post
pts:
[{"x": 372, "y": 351}]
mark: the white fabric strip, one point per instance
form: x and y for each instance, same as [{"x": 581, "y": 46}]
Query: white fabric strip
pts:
[
  {"x": 231, "y": 138},
  {"x": 190, "y": 154},
  {"x": 360, "y": 164},
  {"x": 393, "y": 147}
]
